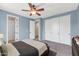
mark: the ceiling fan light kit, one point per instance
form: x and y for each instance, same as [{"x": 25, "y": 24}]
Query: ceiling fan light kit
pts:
[{"x": 33, "y": 10}]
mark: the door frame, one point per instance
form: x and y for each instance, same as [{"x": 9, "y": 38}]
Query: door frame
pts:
[
  {"x": 38, "y": 20},
  {"x": 8, "y": 15}
]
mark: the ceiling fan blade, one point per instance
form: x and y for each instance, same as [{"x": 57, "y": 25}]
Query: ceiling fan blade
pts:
[
  {"x": 38, "y": 14},
  {"x": 30, "y": 14},
  {"x": 42, "y": 9},
  {"x": 30, "y": 5},
  {"x": 25, "y": 10}
]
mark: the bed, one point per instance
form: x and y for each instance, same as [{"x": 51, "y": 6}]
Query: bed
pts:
[{"x": 27, "y": 48}]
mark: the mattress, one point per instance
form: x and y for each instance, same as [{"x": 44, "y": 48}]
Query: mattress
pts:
[{"x": 41, "y": 47}]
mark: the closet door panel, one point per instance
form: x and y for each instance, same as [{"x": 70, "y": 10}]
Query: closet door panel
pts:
[
  {"x": 58, "y": 29},
  {"x": 48, "y": 29},
  {"x": 51, "y": 30},
  {"x": 55, "y": 30},
  {"x": 64, "y": 29}
]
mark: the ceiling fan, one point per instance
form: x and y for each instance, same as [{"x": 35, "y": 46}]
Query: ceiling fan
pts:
[{"x": 34, "y": 10}]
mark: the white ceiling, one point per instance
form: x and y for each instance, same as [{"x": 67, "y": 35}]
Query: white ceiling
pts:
[{"x": 50, "y": 8}]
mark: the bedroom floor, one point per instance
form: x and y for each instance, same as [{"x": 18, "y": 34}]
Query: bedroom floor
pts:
[{"x": 58, "y": 49}]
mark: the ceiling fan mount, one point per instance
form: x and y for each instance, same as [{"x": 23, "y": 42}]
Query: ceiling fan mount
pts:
[{"x": 34, "y": 10}]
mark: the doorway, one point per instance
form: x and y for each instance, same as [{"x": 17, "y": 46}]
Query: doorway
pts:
[
  {"x": 37, "y": 30},
  {"x": 12, "y": 28}
]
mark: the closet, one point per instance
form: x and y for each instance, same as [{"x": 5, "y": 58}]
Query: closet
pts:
[{"x": 58, "y": 29}]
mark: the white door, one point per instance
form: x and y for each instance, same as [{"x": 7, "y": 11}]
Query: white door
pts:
[
  {"x": 64, "y": 25},
  {"x": 32, "y": 29},
  {"x": 52, "y": 30}
]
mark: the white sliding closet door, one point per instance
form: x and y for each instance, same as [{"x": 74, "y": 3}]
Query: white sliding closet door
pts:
[
  {"x": 58, "y": 30},
  {"x": 32, "y": 29},
  {"x": 52, "y": 30},
  {"x": 64, "y": 27}
]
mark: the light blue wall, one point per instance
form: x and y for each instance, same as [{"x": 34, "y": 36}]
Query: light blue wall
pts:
[
  {"x": 3, "y": 23},
  {"x": 42, "y": 29},
  {"x": 23, "y": 22},
  {"x": 24, "y": 28},
  {"x": 74, "y": 24}
]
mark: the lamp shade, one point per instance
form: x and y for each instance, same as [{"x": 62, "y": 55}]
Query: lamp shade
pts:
[{"x": 1, "y": 35}]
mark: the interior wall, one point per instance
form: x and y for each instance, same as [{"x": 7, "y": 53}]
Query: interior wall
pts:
[
  {"x": 24, "y": 28},
  {"x": 75, "y": 23},
  {"x": 3, "y": 23},
  {"x": 42, "y": 29},
  {"x": 23, "y": 23}
]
